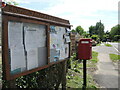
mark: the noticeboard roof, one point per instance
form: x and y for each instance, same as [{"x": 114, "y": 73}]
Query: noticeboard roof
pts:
[{"x": 15, "y": 10}]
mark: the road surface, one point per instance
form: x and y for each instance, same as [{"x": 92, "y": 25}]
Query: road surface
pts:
[
  {"x": 106, "y": 75},
  {"x": 116, "y": 46},
  {"x": 109, "y": 50}
]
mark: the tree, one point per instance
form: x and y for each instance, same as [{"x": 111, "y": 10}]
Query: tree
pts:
[
  {"x": 73, "y": 31},
  {"x": 115, "y": 32},
  {"x": 116, "y": 38},
  {"x": 80, "y": 30},
  {"x": 106, "y": 36},
  {"x": 12, "y": 2},
  {"x": 95, "y": 37},
  {"x": 100, "y": 29},
  {"x": 92, "y": 30}
]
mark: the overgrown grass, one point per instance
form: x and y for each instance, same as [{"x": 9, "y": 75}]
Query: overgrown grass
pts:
[
  {"x": 75, "y": 74},
  {"x": 114, "y": 57},
  {"x": 108, "y": 45},
  {"x": 94, "y": 57},
  {"x": 98, "y": 44}
]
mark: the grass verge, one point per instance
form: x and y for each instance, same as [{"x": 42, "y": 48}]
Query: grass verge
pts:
[
  {"x": 98, "y": 44},
  {"x": 114, "y": 57},
  {"x": 75, "y": 74},
  {"x": 108, "y": 45},
  {"x": 94, "y": 57}
]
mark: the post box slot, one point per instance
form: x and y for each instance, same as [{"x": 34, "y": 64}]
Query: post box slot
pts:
[{"x": 84, "y": 41}]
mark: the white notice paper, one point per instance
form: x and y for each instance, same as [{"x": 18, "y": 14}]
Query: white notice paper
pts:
[
  {"x": 35, "y": 37},
  {"x": 17, "y": 58},
  {"x": 32, "y": 59},
  {"x": 15, "y": 42},
  {"x": 15, "y": 34}
]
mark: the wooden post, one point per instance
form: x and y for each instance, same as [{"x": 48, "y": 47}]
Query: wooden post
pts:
[
  {"x": 9, "y": 84},
  {"x": 12, "y": 84},
  {"x": 64, "y": 76}
]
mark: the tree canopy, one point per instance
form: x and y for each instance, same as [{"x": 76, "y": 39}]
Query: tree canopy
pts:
[
  {"x": 80, "y": 30},
  {"x": 98, "y": 29},
  {"x": 92, "y": 30},
  {"x": 115, "y": 33},
  {"x": 115, "y": 30}
]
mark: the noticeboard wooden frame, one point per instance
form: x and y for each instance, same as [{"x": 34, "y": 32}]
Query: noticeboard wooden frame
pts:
[{"x": 5, "y": 53}]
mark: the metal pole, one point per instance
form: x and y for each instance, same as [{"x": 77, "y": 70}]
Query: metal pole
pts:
[{"x": 84, "y": 74}]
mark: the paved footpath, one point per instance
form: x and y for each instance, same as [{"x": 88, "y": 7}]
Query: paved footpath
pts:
[{"x": 106, "y": 75}]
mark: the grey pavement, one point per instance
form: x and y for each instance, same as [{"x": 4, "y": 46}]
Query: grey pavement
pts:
[{"x": 106, "y": 75}]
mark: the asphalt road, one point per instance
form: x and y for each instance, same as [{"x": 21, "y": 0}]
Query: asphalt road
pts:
[
  {"x": 116, "y": 46},
  {"x": 106, "y": 75},
  {"x": 109, "y": 50}
]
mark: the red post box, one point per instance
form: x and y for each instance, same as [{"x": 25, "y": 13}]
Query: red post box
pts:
[{"x": 85, "y": 49}]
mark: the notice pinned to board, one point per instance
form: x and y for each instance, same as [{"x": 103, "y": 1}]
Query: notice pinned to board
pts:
[
  {"x": 15, "y": 34},
  {"x": 25, "y": 41},
  {"x": 34, "y": 37},
  {"x": 32, "y": 59},
  {"x": 68, "y": 31},
  {"x": 67, "y": 39},
  {"x": 16, "y": 47},
  {"x": 17, "y": 59},
  {"x": 52, "y": 29},
  {"x": 59, "y": 47}
]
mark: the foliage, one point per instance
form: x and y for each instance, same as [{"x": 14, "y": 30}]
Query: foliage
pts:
[
  {"x": 105, "y": 37},
  {"x": 80, "y": 30},
  {"x": 108, "y": 45},
  {"x": 75, "y": 74},
  {"x": 75, "y": 77},
  {"x": 73, "y": 30},
  {"x": 92, "y": 30},
  {"x": 94, "y": 57},
  {"x": 95, "y": 37},
  {"x": 98, "y": 44},
  {"x": 12, "y": 2},
  {"x": 86, "y": 34},
  {"x": 98, "y": 29},
  {"x": 114, "y": 57},
  {"x": 46, "y": 78},
  {"x": 116, "y": 37},
  {"x": 115, "y": 31}
]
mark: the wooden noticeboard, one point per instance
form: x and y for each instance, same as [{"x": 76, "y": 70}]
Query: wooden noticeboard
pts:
[{"x": 32, "y": 42}]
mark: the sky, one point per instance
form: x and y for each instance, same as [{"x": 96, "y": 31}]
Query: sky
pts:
[{"x": 79, "y": 12}]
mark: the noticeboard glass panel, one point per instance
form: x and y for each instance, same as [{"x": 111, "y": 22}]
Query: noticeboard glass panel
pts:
[
  {"x": 27, "y": 43},
  {"x": 59, "y": 43}
]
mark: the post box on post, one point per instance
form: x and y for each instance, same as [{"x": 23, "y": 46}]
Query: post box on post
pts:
[
  {"x": 84, "y": 53},
  {"x": 85, "y": 49}
]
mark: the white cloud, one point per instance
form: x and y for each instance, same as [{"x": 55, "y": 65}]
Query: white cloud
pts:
[
  {"x": 81, "y": 12},
  {"x": 75, "y": 10},
  {"x": 37, "y": 1}
]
